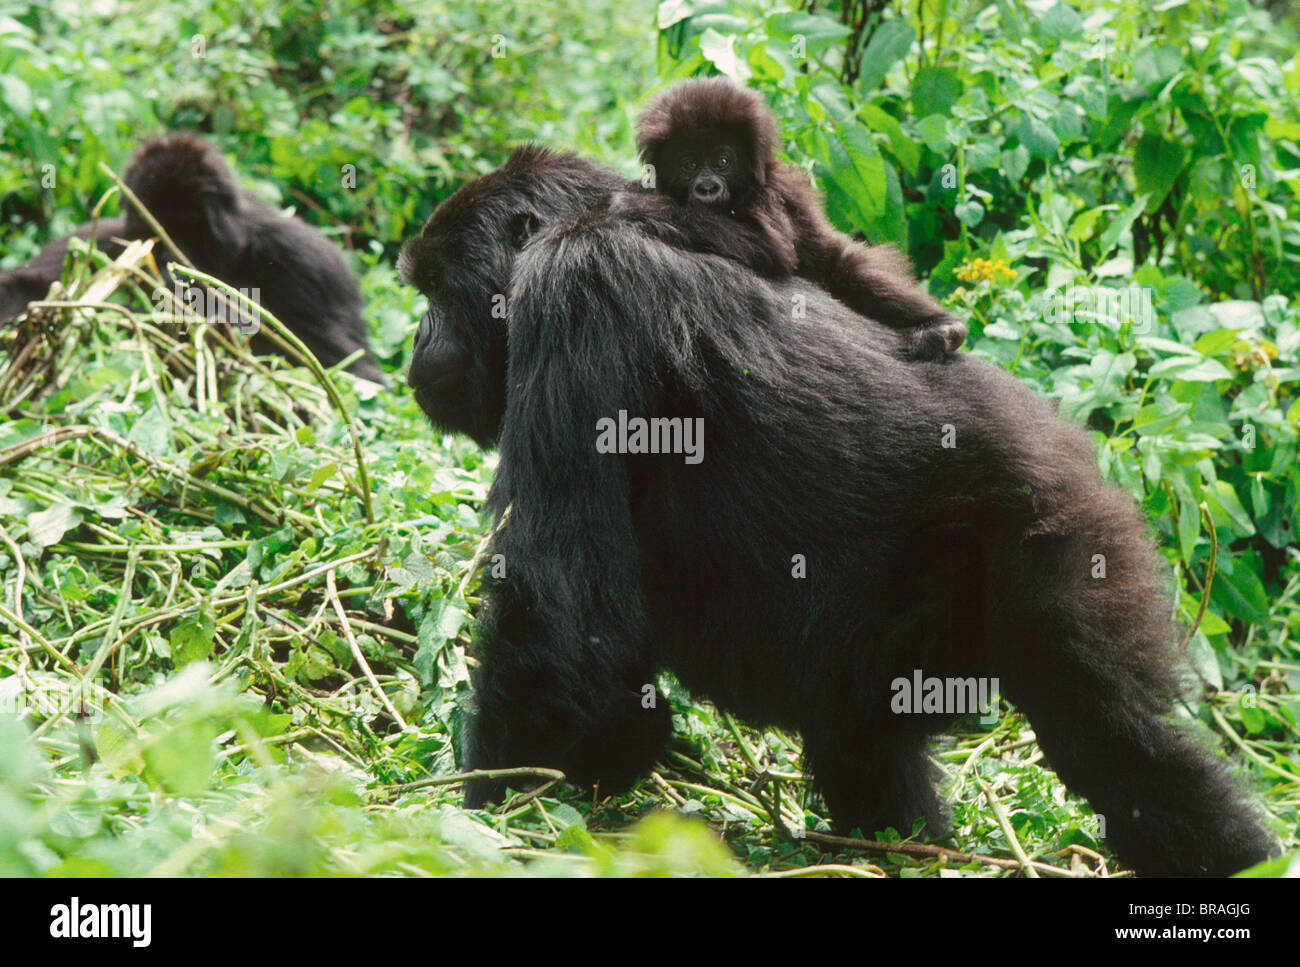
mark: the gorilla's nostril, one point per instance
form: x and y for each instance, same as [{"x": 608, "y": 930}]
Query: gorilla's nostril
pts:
[{"x": 424, "y": 332}]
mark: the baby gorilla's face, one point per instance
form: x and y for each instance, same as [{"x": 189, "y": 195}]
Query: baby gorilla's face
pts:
[{"x": 713, "y": 173}]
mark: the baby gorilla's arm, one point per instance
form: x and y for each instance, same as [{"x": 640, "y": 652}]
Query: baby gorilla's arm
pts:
[{"x": 876, "y": 281}]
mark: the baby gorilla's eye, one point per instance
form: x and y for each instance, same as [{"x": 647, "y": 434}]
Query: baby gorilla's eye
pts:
[
  {"x": 689, "y": 164},
  {"x": 722, "y": 162}
]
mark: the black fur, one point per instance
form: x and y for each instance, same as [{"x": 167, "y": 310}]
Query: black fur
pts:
[
  {"x": 304, "y": 279},
  {"x": 974, "y": 560},
  {"x": 759, "y": 203},
  {"x": 31, "y": 282}
]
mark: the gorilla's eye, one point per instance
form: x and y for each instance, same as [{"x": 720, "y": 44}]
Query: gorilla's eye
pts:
[
  {"x": 689, "y": 163},
  {"x": 523, "y": 226},
  {"x": 722, "y": 162}
]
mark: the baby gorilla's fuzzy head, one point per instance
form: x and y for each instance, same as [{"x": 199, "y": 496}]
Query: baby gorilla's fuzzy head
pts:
[{"x": 710, "y": 142}]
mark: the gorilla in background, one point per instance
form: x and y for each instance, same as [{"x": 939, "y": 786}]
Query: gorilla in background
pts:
[
  {"x": 949, "y": 522},
  {"x": 228, "y": 232},
  {"x": 31, "y": 282}
]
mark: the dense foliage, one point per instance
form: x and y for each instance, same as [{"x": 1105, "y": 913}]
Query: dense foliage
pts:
[{"x": 231, "y": 652}]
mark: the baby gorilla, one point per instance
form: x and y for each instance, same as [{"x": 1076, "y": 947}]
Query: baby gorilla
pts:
[
  {"x": 711, "y": 143},
  {"x": 290, "y": 268}
]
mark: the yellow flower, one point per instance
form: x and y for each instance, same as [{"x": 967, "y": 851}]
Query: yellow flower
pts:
[{"x": 984, "y": 270}]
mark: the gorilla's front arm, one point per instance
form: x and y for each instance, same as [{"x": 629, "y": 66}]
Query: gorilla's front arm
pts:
[{"x": 566, "y": 677}]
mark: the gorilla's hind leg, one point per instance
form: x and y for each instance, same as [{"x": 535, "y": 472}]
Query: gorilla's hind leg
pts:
[
  {"x": 880, "y": 780},
  {"x": 1088, "y": 659}
]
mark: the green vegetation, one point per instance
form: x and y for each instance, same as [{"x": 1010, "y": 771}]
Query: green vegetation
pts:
[{"x": 221, "y": 652}]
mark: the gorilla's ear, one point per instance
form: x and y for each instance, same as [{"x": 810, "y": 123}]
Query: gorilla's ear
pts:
[{"x": 523, "y": 226}]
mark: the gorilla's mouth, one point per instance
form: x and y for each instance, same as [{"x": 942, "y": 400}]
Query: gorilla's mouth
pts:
[{"x": 720, "y": 200}]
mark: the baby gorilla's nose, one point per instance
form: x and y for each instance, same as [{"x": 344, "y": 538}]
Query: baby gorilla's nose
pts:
[{"x": 708, "y": 190}]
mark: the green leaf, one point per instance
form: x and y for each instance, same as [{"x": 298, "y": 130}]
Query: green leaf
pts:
[
  {"x": 934, "y": 90},
  {"x": 766, "y": 68},
  {"x": 1280, "y": 867},
  {"x": 905, "y": 149},
  {"x": 855, "y": 177},
  {"x": 192, "y": 638},
  {"x": 118, "y": 750},
  {"x": 1085, "y": 222},
  {"x": 1201, "y": 656},
  {"x": 1241, "y": 593},
  {"x": 440, "y": 625},
  {"x": 1189, "y": 528},
  {"x": 565, "y": 816},
  {"x": 1067, "y": 123},
  {"x": 720, "y": 51},
  {"x": 337, "y": 645},
  {"x": 1154, "y": 66},
  {"x": 983, "y": 154},
  {"x": 320, "y": 475},
  {"x": 673, "y": 11},
  {"x": 1190, "y": 370},
  {"x": 182, "y": 759},
  {"x": 969, "y": 213},
  {"x": 1160, "y": 417},
  {"x": 1062, "y": 22},
  {"x": 1226, "y": 509},
  {"x": 817, "y": 30},
  {"x": 934, "y": 132},
  {"x": 152, "y": 433},
  {"x": 1216, "y": 341},
  {"x": 1014, "y": 163},
  {"x": 1110, "y": 237},
  {"x": 1157, "y": 162},
  {"x": 48, "y": 526},
  {"x": 889, "y": 44},
  {"x": 1040, "y": 140},
  {"x": 1117, "y": 122},
  {"x": 1253, "y": 719},
  {"x": 16, "y": 95}
]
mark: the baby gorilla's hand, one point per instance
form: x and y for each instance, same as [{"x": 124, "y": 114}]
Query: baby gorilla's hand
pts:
[{"x": 935, "y": 342}]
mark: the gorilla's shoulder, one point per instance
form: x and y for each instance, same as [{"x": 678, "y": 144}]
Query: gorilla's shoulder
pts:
[
  {"x": 598, "y": 230},
  {"x": 603, "y": 251}
]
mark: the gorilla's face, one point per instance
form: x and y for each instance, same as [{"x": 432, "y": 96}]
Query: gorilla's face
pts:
[
  {"x": 463, "y": 260},
  {"x": 712, "y": 171}
]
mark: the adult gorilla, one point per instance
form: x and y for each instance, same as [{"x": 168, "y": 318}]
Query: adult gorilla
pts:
[
  {"x": 298, "y": 274},
  {"x": 948, "y": 522}
]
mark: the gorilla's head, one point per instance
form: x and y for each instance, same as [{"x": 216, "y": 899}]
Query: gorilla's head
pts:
[
  {"x": 463, "y": 260},
  {"x": 187, "y": 185},
  {"x": 710, "y": 141}
]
